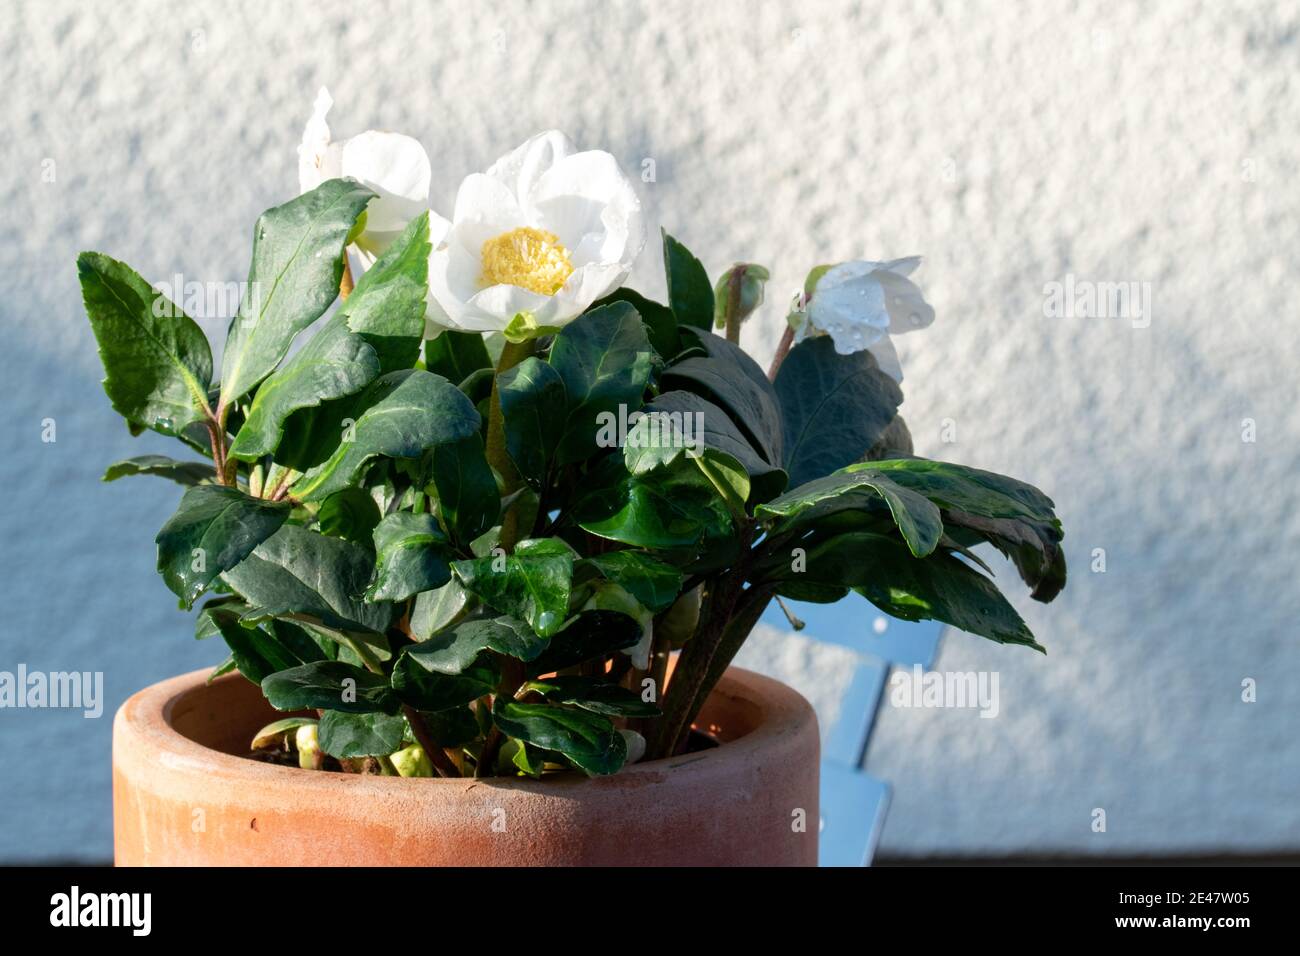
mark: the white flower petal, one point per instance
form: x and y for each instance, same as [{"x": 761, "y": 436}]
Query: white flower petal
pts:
[
  {"x": 583, "y": 198},
  {"x": 886, "y": 356},
  {"x": 908, "y": 310},
  {"x": 503, "y": 302},
  {"x": 315, "y": 142},
  {"x": 519, "y": 169},
  {"x": 483, "y": 199},
  {"x": 850, "y": 308},
  {"x": 396, "y": 167}
]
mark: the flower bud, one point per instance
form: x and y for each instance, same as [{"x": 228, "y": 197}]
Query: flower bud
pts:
[
  {"x": 310, "y": 756},
  {"x": 739, "y": 291}
]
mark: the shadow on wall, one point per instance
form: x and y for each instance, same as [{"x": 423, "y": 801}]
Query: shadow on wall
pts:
[{"x": 80, "y": 594}]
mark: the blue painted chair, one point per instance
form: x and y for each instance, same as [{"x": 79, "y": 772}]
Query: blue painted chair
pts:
[{"x": 854, "y": 803}]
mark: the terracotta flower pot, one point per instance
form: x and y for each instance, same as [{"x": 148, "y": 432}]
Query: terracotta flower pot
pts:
[{"x": 183, "y": 795}]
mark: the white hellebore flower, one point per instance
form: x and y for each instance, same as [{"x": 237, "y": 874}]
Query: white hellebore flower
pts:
[
  {"x": 860, "y": 304},
  {"x": 396, "y": 167},
  {"x": 546, "y": 231}
]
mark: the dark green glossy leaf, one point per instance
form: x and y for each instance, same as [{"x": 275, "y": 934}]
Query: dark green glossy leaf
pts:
[
  {"x": 329, "y": 685},
  {"x": 214, "y": 529},
  {"x": 835, "y": 407},
  {"x": 436, "y": 609},
  {"x": 346, "y": 735},
  {"x": 350, "y": 513},
  {"x": 533, "y": 403},
  {"x": 424, "y": 689},
  {"x": 334, "y": 364},
  {"x": 405, "y": 413},
  {"x": 297, "y": 571},
  {"x": 690, "y": 294},
  {"x": 181, "y": 472},
  {"x": 455, "y": 649},
  {"x": 652, "y": 582},
  {"x": 469, "y": 501},
  {"x": 411, "y": 554},
  {"x": 387, "y": 307},
  {"x": 675, "y": 507},
  {"x": 260, "y": 650},
  {"x": 297, "y": 265},
  {"x": 589, "y": 635},
  {"x": 729, "y": 378},
  {"x": 660, "y": 323},
  {"x": 453, "y": 727},
  {"x": 157, "y": 362},
  {"x": 587, "y": 739},
  {"x": 455, "y": 355},
  {"x": 533, "y": 583},
  {"x": 604, "y": 360},
  {"x": 1015, "y": 517},
  {"x": 593, "y": 694},
  {"x": 680, "y": 423},
  {"x": 918, "y": 520},
  {"x": 939, "y": 587}
]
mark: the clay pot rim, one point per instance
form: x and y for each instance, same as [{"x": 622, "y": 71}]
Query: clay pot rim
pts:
[{"x": 147, "y": 716}]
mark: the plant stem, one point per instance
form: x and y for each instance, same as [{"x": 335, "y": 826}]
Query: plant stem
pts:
[
  {"x": 782, "y": 350},
  {"x": 734, "y": 286},
  {"x": 437, "y": 756},
  {"x": 346, "y": 285},
  {"x": 512, "y": 678},
  {"x": 218, "y": 445},
  {"x": 497, "y": 454}
]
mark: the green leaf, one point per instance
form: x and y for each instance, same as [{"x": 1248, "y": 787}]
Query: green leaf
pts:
[
  {"x": 591, "y": 634},
  {"x": 469, "y": 501},
  {"x": 533, "y": 583},
  {"x": 351, "y": 513},
  {"x": 346, "y": 735},
  {"x": 297, "y": 265},
  {"x": 918, "y": 520},
  {"x": 330, "y": 685},
  {"x": 453, "y": 727},
  {"x": 387, "y": 306},
  {"x": 260, "y": 650},
  {"x": 690, "y": 294},
  {"x": 436, "y": 609},
  {"x": 181, "y": 472},
  {"x": 533, "y": 403},
  {"x": 214, "y": 529},
  {"x": 682, "y": 423},
  {"x": 660, "y": 323},
  {"x": 835, "y": 407},
  {"x": 652, "y": 582},
  {"x": 424, "y": 689},
  {"x": 157, "y": 362},
  {"x": 528, "y": 759},
  {"x": 297, "y": 571},
  {"x": 729, "y": 378},
  {"x": 604, "y": 360},
  {"x": 1015, "y": 517},
  {"x": 406, "y": 412},
  {"x": 411, "y": 557},
  {"x": 456, "y": 355},
  {"x": 453, "y": 650},
  {"x": 593, "y": 694},
  {"x": 939, "y": 587},
  {"x": 587, "y": 739},
  {"x": 674, "y": 507},
  {"x": 334, "y": 364},
  {"x": 273, "y": 734}
]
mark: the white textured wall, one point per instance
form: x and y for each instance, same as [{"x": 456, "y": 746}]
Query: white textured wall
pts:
[{"x": 1008, "y": 142}]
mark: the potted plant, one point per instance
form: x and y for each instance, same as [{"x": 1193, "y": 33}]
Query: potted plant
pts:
[{"x": 483, "y": 547}]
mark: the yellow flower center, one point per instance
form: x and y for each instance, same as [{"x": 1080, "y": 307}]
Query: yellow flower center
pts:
[{"x": 532, "y": 259}]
